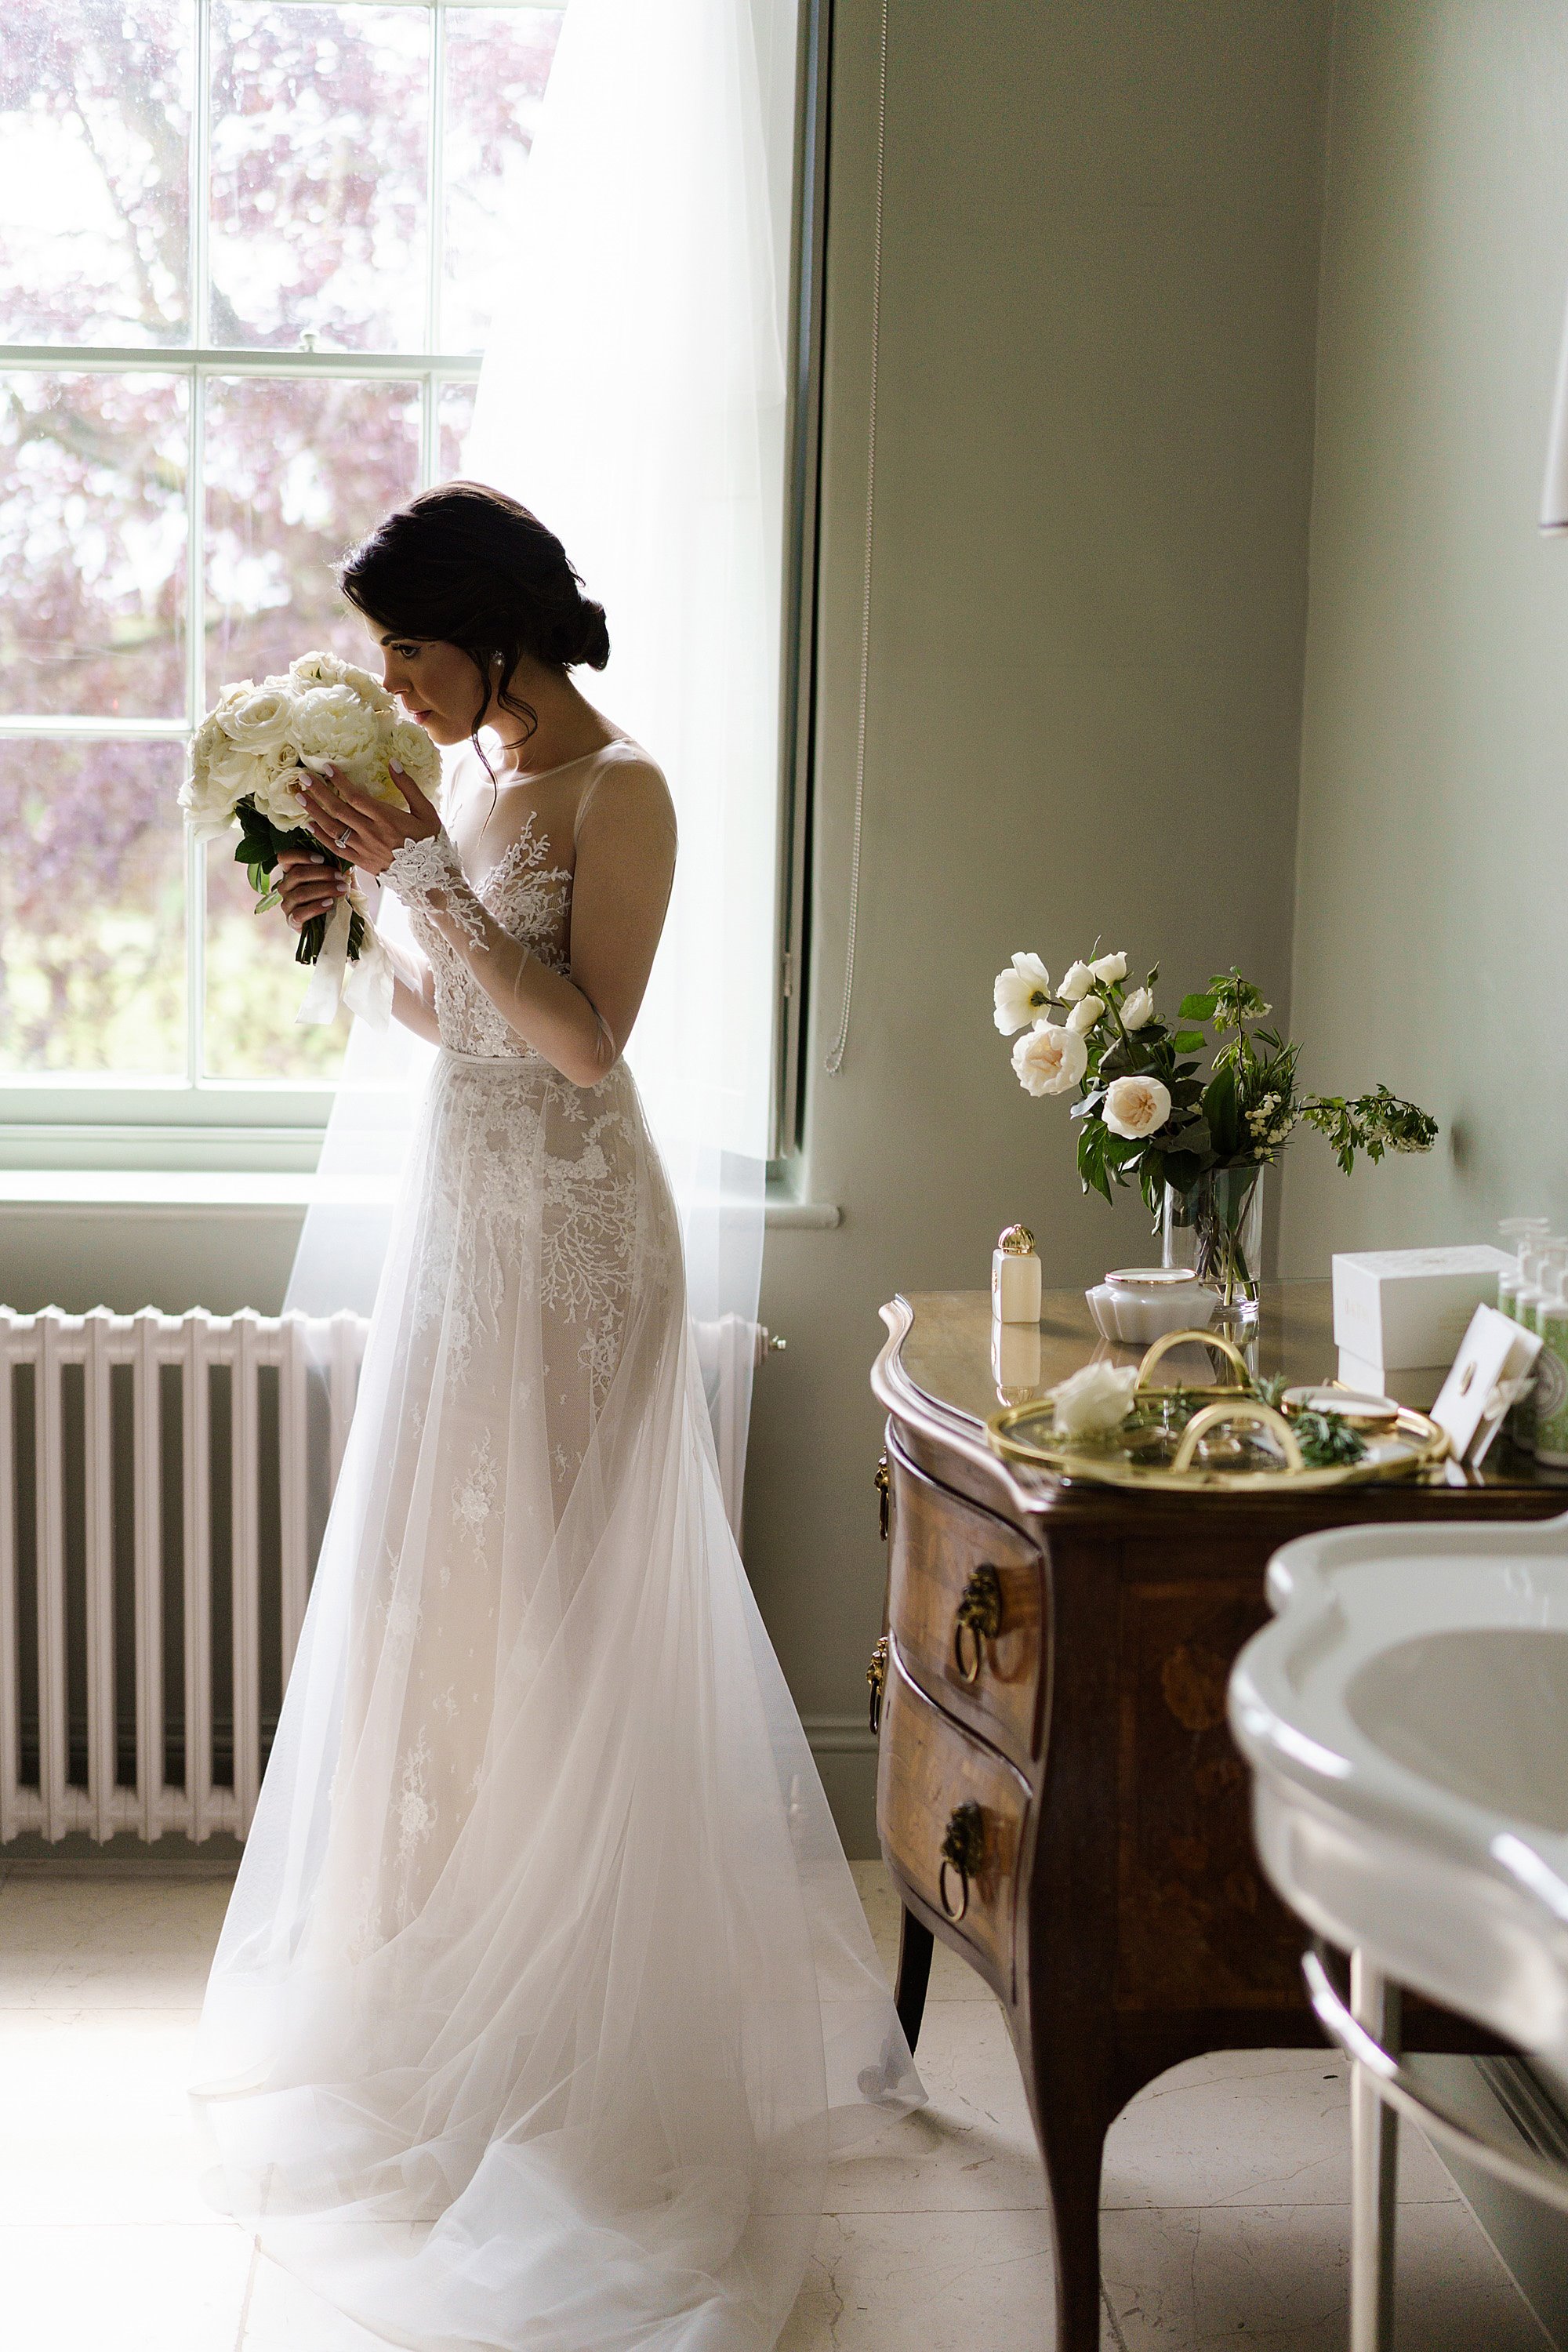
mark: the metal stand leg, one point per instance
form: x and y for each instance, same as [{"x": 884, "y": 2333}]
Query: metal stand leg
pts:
[{"x": 1374, "y": 2168}]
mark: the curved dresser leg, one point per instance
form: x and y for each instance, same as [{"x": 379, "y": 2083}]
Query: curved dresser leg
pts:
[
  {"x": 915, "y": 1942},
  {"x": 1070, "y": 2124}
]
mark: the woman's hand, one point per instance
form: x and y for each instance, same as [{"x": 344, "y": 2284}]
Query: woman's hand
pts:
[
  {"x": 366, "y": 831},
  {"x": 307, "y": 884}
]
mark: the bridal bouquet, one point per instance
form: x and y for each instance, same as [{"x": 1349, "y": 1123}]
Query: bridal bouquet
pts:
[
  {"x": 1195, "y": 1145},
  {"x": 247, "y": 759}
]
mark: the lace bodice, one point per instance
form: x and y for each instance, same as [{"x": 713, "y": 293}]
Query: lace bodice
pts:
[{"x": 529, "y": 898}]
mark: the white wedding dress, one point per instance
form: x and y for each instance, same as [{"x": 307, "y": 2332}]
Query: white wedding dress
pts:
[{"x": 544, "y": 1993}]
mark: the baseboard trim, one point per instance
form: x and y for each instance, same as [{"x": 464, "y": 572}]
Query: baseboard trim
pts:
[{"x": 839, "y": 1735}]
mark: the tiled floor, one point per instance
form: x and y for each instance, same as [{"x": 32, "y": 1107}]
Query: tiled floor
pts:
[{"x": 1225, "y": 2183}]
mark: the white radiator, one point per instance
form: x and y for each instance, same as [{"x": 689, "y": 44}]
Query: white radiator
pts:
[{"x": 91, "y": 1566}]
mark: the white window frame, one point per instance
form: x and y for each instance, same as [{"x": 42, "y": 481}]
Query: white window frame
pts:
[{"x": 68, "y": 1118}]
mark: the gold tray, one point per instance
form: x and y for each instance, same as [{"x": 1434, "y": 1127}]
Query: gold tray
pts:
[{"x": 1401, "y": 1448}]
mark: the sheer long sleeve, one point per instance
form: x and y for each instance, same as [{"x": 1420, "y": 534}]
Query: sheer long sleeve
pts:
[{"x": 581, "y": 1020}]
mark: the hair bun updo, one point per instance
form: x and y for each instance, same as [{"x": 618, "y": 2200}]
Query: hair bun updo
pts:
[
  {"x": 585, "y": 638},
  {"x": 470, "y": 567}
]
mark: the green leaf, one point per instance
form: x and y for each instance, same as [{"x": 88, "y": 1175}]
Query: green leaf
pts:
[
  {"x": 1197, "y": 1008},
  {"x": 1190, "y": 1041},
  {"x": 1222, "y": 1109}
]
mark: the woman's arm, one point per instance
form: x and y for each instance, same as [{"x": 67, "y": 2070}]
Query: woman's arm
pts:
[{"x": 625, "y": 862}]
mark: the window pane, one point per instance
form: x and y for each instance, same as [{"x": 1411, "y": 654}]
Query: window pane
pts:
[
  {"x": 497, "y": 62},
  {"x": 454, "y": 414},
  {"x": 95, "y": 115},
  {"x": 254, "y": 987},
  {"x": 318, "y": 170},
  {"x": 92, "y": 908},
  {"x": 297, "y": 470},
  {"x": 92, "y": 545}
]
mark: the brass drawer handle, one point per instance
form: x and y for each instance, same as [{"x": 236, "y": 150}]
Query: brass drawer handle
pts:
[
  {"x": 979, "y": 1614},
  {"x": 875, "y": 1677},
  {"x": 884, "y": 1485},
  {"x": 963, "y": 1851}
]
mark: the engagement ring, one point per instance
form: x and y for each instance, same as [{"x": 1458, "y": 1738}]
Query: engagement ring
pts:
[{"x": 344, "y": 836}]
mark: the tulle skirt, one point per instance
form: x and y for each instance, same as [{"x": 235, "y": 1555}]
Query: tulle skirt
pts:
[{"x": 544, "y": 1993}]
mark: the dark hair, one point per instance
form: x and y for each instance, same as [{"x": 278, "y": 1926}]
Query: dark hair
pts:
[{"x": 468, "y": 565}]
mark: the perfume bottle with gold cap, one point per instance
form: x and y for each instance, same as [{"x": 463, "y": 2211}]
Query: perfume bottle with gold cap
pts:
[{"x": 1016, "y": 1277}]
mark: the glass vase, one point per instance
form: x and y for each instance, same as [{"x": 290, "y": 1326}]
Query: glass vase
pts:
[{"x": 1216, "y": 1228}]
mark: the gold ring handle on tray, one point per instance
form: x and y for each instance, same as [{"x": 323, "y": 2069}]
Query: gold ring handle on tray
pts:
[
  {"x": 1170, "y": 1339},
  {"x": 1225, "y": 1414}
]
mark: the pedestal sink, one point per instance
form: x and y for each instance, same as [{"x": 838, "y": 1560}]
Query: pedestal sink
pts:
[{"x": 1407, "y": 1720}]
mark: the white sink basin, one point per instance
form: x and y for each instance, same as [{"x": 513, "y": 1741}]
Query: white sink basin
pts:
[{"x": 1406, "y": 1719}]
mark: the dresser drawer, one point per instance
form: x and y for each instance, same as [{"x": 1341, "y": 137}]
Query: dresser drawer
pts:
[
  {"x": 951, "y": 1815},
  {"x": 964, "y": 1606}
]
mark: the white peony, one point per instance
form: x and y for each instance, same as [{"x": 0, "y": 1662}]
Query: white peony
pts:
[
  {"x": 1085, "y": 1013},
  {"x": 333, "y": 728},
  {"x": 1139, "y": 1009},
  {"x": 1110, "y": 968},
  {"x": 415, "y": 754},
  {"x": 261, "y": 719},
  {"x": 1094, "y": 1400},
  {"x": 1079, "y": 982},
  {"x": 1022, "y": 995},
  {"x": 1049, "y": 1060},
  {"x": 326, "y": 670},
  {"x": 1136, "y": 1106}
]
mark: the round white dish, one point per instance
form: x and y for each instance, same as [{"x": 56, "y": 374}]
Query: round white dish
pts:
[{"x": 1136, "y": 1304}]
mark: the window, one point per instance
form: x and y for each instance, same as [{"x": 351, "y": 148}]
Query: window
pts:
[{"x": 244, "y": 253}]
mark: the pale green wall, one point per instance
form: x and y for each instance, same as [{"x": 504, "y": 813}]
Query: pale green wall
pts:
[
  {"x": 1093, "y": 471},
  {"x": 1430, "y": 942}
]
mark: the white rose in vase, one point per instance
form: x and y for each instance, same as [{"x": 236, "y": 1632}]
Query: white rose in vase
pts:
[
  {"x": 1134, "y": 1107},
  {"x": 1085, "y": 1013},
  {"x": 1139, "y": 1009},
  {"x": 1079, "y": 982},
  {"x": 1110, "y": 968},
  {"x": 1049, "y": 1060}
]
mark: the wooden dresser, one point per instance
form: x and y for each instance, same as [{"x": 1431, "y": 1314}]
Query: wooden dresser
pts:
[{"x": 1058, "y": 1795}]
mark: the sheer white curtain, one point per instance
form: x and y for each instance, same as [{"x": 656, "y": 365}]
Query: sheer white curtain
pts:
[{"x": 634, "y": 396}]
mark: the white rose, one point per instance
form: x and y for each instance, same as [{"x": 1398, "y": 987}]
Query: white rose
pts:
[
  {"x": 1049, "y": 1061},
  {"x": 278, "y": 798},
  {"x": 1085, "y": 1013},
  {"x": 1109, "y": 967},
  {"x": 1136, "y": 1106},
  {"x": 259, "y": 720},
  {"x": 1079, "y": 982},
  {"x": 332, "y": 726},
  {"x": 1096, "y": 1399},
  {"x": 1022, "y": 995},
  {"x": 1139, "y": 1009}
]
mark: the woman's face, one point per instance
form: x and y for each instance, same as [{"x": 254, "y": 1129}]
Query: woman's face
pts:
[{"x": 436, "y": 682}]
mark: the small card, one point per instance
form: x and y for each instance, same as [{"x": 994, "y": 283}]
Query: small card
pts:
[{"x": 1489, "y": 1374}]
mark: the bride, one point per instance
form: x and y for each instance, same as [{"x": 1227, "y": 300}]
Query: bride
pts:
[{"x": 543, "y": 1994}]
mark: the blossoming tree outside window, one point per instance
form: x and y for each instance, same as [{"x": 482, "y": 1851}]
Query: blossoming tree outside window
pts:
[{"x": 1196, "y": 1146}]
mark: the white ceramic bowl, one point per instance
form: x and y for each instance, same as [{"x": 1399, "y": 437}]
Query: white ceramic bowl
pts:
[{"x": 1136, "y": 1304}]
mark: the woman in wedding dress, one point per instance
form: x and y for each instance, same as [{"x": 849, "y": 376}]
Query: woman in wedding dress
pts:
[{"x": 543, "y": 1994}]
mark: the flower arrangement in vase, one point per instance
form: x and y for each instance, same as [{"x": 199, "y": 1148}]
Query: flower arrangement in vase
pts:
[{"x": 1196, "y": 1146}]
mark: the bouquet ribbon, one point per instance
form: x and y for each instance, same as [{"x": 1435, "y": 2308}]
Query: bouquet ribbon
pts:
[{"x": 365, "y": 985}]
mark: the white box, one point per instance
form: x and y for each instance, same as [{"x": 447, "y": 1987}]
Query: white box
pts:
[
  {"x": 1417, "y": 1385},
  {"x": 1406, "y": 1308}
]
